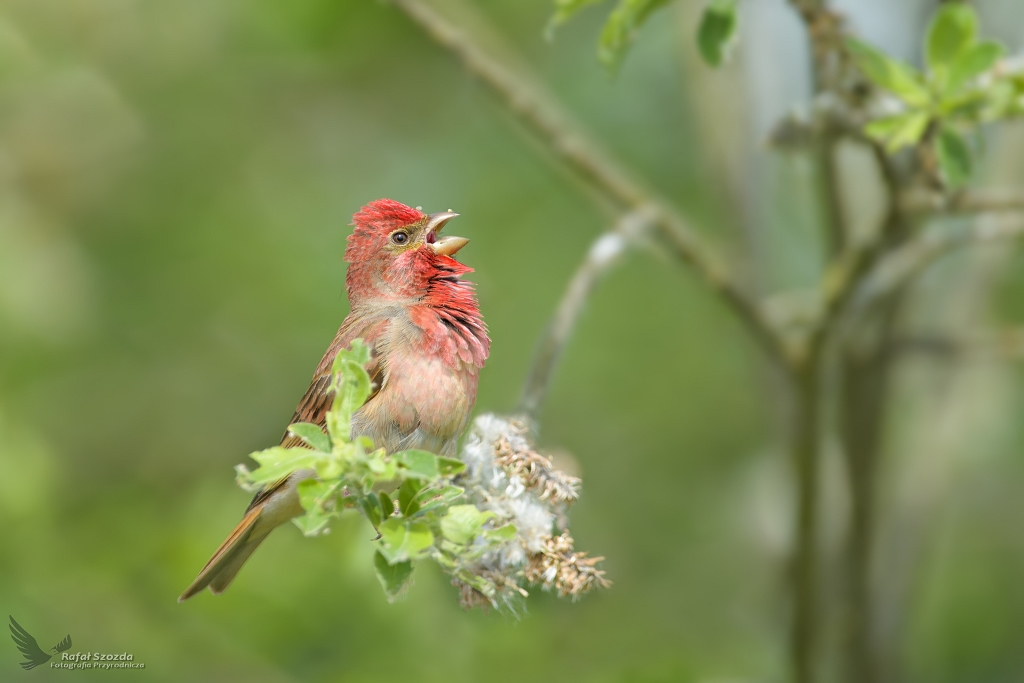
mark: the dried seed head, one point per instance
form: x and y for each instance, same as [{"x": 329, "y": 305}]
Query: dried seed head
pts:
[
  {"x": 561, "y": 567},
  {"x": 507, "y": 476},
  {"x": 536, "y": 472}
]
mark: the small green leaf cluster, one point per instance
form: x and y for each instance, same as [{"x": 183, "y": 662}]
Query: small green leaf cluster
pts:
[
  {"x": 715, "y": 35},
  {"x": 409, "y": 497},
  {"x": 620, "y": 28},
  {"x": 959, "y": 89}
]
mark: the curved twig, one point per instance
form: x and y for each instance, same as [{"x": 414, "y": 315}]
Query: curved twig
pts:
[
  {"x": 596, "y": 166},
  {"x": 964, "y": 202},
  {"x": 904, "y": 263},
  {"x": 602, "y": 255}
]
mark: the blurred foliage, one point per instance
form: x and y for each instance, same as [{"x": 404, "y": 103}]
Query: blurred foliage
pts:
[{"x": 176, "y": 179}]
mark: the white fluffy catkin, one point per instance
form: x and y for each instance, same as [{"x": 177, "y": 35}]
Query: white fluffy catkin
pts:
[{"x": 506, "y": 476}]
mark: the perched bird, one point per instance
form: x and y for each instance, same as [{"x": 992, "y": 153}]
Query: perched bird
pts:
[
  {"x": 34, "y": 655},
  {"x": 427, "y": 341}
]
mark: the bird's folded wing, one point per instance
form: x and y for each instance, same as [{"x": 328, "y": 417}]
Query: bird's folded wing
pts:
[{"x": 317, "y": 400}]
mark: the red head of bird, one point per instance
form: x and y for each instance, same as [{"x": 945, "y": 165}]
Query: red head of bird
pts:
[
  {"x": 395, "y": 251},
  {"x": 396, "y": 256}
]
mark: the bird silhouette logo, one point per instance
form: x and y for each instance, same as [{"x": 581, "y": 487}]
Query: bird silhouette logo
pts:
[{"x": 34, "y": 655}]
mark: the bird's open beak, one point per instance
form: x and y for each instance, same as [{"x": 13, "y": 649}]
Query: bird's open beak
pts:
[{"x": 446, "y": 246}]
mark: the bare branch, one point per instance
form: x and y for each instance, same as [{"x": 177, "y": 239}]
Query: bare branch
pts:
[
  {"x": 603, "y": 254},
  {"x": 548, "y": 120},
  {"x": 904, "y": 263},
  {"x": 839, "y": 285},
  {"x": 1007, "y": 344},
  {"x": 964, "y": 202},
  {"x": 836, "y": 116},
  {"x": 845, "y": 272}
]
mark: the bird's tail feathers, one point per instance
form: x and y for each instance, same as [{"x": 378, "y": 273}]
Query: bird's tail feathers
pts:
[{"x": 229, "y": 558}]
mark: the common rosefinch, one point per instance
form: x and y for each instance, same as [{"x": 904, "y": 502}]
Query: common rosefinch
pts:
[{"x": 427, "y": 342}]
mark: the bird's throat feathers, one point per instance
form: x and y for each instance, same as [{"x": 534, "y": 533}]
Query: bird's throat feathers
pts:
[{"x": 438, "y": 301}]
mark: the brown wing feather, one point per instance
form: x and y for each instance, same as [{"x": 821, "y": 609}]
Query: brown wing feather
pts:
[{"x": 317, "y": 400}]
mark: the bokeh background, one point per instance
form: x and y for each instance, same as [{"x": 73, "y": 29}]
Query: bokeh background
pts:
[{"x": 176, "y": 182}]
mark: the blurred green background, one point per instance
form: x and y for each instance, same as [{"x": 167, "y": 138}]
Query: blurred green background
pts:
[{"x": 176, "y": 182}]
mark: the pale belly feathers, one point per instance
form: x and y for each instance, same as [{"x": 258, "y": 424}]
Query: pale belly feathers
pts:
[{"x": 424, "y": 402}]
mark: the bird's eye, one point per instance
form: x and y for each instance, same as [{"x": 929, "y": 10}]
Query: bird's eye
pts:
[{"x": 400, "y": 237}]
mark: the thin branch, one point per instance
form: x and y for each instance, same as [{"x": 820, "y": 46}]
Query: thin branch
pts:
[
  {"x": 806, "y": 443},
  {"x": 837, "y": 113},
  {"x": 965, "y": 202},
  {"x": 844, "y": 274},
  {"x": 836, "y": 231},
  {"x": 904, "y": 263},
  {"x": 823, "y": 32},
  {"x": 572, "y": 147},
  {"x": 1007, "y": 344},
  {"x": 864, "y": 379},
  {"x": 889, "y": 176},
  {"x": 526, "y": 101},
  {"x": 602, "y": 255}
]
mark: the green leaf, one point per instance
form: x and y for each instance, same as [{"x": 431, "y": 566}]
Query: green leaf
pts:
[
  {"x": 313, "y": 493},
  {"x": 313, "y": 523},
  {"x": 564, "y": 11},
  {"x": 716, "y": 31},
  {"x": 444, "y": 560},
  {"x": 444, "y": 493},
  {"x": 357, "y": 352},
  {"x": 463, "y": 523},
  {"x": 351, "y": 385},
  {"x": 998, "y": 102},
  {"x": 450, "y": 466},
  {"x": 433, "y": 498},
  {"x": 900, "y": 130},
  {"x": 394, "y": 578},
  {"x": 953, "y": 29},
  {"x": 954, "y": 157},
  {"x": 382, "y": 468},
  {"x": 972, "y": 63},
  {"x": 620, "y": 29},
  {"x": 968, "y": 103},
  {"x": 407, "y": 497},
  {"x": 419, "y": 464},
  {"x": 277, "y": 454},
  {"x": 900, "y": 79},
  {"x": 502, "y": 533},
  {"x": 328, "y": 468},
  {"x": 387, "y": 506},
  {"x": 277, "y": 462},
  {"x": 402, "y": 540},
  {"x": 313, "y": 436},
  {"x": 242, "y": 475},
  {"x": 370, "y": 507}
]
